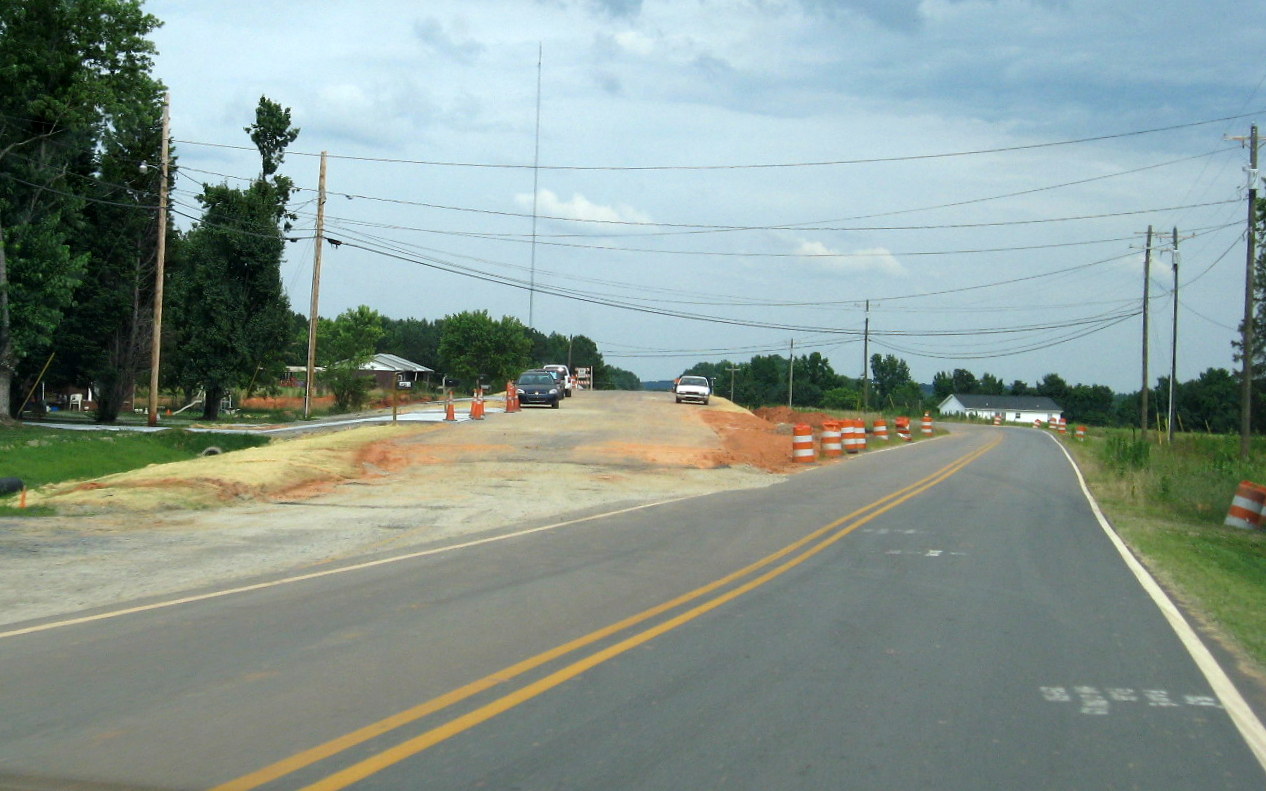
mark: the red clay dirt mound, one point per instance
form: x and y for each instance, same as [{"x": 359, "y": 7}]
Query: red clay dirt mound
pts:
[
  {"x": 782, "y": 414},
  {"x": 748, "y": 439}
]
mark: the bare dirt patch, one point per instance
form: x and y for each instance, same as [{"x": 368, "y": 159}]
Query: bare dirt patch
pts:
[{"x": 331, "y": 497}]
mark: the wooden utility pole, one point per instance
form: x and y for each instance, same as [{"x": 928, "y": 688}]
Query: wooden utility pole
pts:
[
  {"x": 1246, "y": 371},
  {"x": 1147, "y": 274},
  {"x": 316, "y": 291},
  {"x": 160, "y": 265},
  {"x": 732, "y": 369},
  {"x": 791, "y": 371},
  {"x": 1173, "y": 348},
  {"x": 866, "y": 360}
]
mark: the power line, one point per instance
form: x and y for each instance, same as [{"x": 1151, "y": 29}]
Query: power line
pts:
[{"x": 756, "y": 166}]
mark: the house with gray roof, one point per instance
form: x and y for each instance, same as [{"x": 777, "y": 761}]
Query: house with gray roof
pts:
[{"x": 1013, "y": 409}]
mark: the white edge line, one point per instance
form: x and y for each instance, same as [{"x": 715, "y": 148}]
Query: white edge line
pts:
[
  {"x": 328, "y": 572},
  {"x": 1237, "y": 707}
]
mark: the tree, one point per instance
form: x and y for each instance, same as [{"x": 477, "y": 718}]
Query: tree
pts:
[
  {"x": 1053, "y": 387},
  {"x": 348, "y": 343},
  {"x": 890, "y": 379},
  {"x": 417, "y": 340},
  {"x": 618, "y": 379},
  {"x": 991, "y": 385},
  {"x": 234, "y": 313},
  {"x": 473, "y": 346},
  {"x": 105, "y": 341},
  {"x": 942, "y": 385},
  {"x": 68, "y": 70}
]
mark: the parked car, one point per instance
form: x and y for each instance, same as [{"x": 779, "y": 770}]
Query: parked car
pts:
[
  {"x": 565, "y": 374},
  {"x": 538, "y": 387},
  {"x": 693, "y": 388}
]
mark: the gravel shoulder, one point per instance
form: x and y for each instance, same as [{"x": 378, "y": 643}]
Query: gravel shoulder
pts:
[{"x": 333, "y": 497}]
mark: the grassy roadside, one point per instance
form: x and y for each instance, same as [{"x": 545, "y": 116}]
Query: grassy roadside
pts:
[
  {"x": 1168, "y": 504},
  {"x": 42, "y": 456}
]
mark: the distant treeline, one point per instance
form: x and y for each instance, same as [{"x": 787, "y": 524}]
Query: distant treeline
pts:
[{"x": 1208, "y": 403}]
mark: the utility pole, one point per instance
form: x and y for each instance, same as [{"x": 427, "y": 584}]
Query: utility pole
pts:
[
  {"x": 791, "y": 371},
  {"x": 866, "y": 360},
  {"x": 1147, "y": 274},
  {"x": 536, "y": 175},
  {"x": 1246, "y": 372},
  {"x": 732, "y": 369},
  {"x": 316, "y": 291},
  {"x": 160, "y": 265},
  {"x": 1173, "y": 349}
]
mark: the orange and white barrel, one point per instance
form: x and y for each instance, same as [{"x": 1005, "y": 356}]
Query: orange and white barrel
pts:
[
  {"x": 860, "y": 429},
  {"x": 881, "y": 429},
  {"x": 832, "y": 445},
  {"x": 1037, "y": 422},
  {"x": 903, "y": 429},
  {"x": 1063, "y": 425},
  {"x": 802, "y": 445},
  {"x": 997, "y": 419},
  {"x": 1081, "y": 433},
  {"x": 1246, "y": 507},
  {"x": 927, "y": 424},
  {"x": 851, "y": 444}
]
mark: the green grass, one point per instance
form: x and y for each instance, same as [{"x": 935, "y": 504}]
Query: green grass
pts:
[
  {"x": 43, "y": 455},
  {"x": 1168, "y": 503}
]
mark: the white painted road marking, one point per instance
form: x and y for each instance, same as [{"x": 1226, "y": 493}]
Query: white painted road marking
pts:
[{"x": 1095, "y": 702}]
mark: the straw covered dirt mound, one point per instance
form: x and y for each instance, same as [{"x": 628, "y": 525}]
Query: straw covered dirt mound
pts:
[
  {"x": 634, "y": 433},
  {"x": 287, "y": 469}
]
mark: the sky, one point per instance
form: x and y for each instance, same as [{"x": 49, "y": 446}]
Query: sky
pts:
[{"x": 960, "y": 183}]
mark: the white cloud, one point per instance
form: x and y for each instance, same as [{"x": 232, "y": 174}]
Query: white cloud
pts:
[
  {"x": 872, "y": 259},
  {"x": 581, "y": 208}
]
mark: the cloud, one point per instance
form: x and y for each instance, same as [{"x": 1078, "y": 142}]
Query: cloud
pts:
[
  {"x": 580, "y": 208},
  {"x": 872, "y": 259},
  {"x": 431, "y": 32},
  {"x": 620, "y": 8}
]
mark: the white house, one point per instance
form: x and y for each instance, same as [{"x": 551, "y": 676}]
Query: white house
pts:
[{"x": 1014, "y": 409}]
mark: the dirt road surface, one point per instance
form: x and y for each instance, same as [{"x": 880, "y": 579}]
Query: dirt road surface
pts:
[{"x": 320, "y": 500}]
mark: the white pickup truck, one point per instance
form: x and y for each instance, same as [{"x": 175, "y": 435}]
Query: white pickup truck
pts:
[
  {"x": 693, "y": 388},
  {"x": 568, "y": 381}
]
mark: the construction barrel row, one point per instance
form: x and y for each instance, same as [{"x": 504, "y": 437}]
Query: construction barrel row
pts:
[{"x": 846, "y": 436}]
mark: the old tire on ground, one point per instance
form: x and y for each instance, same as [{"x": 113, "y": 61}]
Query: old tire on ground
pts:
[{"x": 11, "y": 485}]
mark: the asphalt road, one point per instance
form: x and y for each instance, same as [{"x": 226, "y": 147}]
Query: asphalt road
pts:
[{"x": 945, "y": 615}]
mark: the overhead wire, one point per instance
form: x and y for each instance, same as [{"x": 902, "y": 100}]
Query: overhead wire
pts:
[{"x": 752, "y": 166}]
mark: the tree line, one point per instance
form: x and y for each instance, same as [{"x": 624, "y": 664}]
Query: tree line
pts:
[
  {"x": 468, "y": 348},
  {"x": 1208, "y": 403}
]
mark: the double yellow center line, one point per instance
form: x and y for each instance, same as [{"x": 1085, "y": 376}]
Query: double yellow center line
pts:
[{"x": 760, "y": 572}]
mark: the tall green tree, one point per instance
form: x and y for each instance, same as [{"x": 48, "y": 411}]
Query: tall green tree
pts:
[
  {"x": 474, "y": 346},
  {"x": 344, "y": 345},
  {"x": 67, "y": 70},
  {"x": 417, "y": 340},
  {"x": 105, "y": 341},
  {"x": 233, "y": 312}
]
